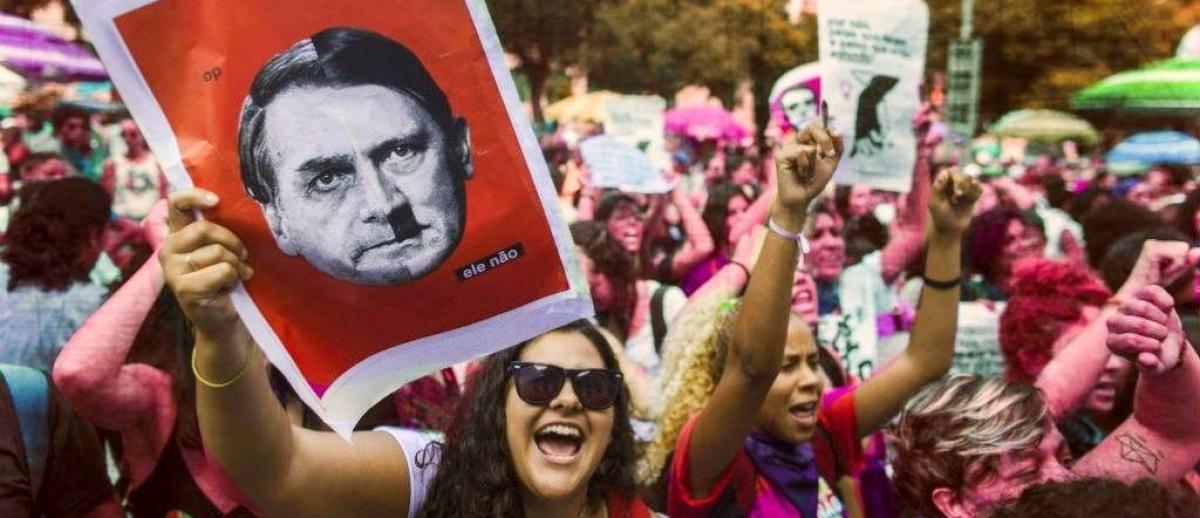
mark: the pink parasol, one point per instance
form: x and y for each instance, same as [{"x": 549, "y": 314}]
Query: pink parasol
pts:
[{"x": 705, "y": 123}]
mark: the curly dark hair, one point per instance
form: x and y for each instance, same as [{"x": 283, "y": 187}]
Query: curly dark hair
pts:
[
  {"x": 615, "y": 263},
  {"x": 47, "y": 239},
  {"x": 1045, "y": 296},
  {"x": 1185, "y": 221},
  {"x": 985, "y": 239},
  {"x": 475, "y": 473},
  {"x": 1103, "y": 498},
  {"x": 1120, "y": 258},
  {"x": 1107, "y": 224}
]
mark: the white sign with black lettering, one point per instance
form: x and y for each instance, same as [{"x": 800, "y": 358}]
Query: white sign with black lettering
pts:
[{"x": 873, "y": 60}]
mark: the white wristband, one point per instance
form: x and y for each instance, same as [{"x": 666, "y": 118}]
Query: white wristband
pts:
[{"x": 791, "y": 236}]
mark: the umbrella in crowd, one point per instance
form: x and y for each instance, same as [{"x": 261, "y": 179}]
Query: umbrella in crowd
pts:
[
  {"x": 1157, "y": 147},
  {"x": 42, "y": 55},
  {"x": 1045, "y": 126},
  {"x": 1168, "y": 88},
  {"x": 705, "y": 122},
  {"x": 1189, "y": 46},
  {"x": 588, "y": 107}
]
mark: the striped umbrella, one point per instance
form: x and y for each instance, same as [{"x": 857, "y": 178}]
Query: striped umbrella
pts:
[
  {"x": 42, "y": 55},
  {"x": 1157, "y": 147},
  {"x": 1168, "y": 88},
  {"x": 1045, "y": 126}
]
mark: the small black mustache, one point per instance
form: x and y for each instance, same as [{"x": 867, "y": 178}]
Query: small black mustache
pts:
[{"x": 404, "y": 222}]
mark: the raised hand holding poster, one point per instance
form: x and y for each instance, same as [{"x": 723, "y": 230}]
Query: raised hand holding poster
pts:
[
  {"x": 377, "y": 165},
  {"x": 873, "y": 58}
]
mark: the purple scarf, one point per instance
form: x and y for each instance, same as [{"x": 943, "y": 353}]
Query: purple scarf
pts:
[{"x": 792, "y": 468}]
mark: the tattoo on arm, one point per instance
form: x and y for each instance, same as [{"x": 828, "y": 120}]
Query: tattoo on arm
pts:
[{"x": 1135, "y": 450}]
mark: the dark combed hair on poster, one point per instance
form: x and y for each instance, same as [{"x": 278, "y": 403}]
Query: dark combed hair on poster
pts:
[
  {"x": 46, "y": 240},
  {"x": 336, "y": 57},
  {"x": 1103, "y": 498},
  {"x": 615, "y": 263},
  {"x": 716, "y": 209},
  {"x": 475, "y": 473}
]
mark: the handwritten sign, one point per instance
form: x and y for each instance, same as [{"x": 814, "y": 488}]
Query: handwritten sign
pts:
[
  {"x": 977, "y": 347},
  {"x": 638, "y": 120},
  {"x": 616, "y": 164},
  {"x": 873, "y": 57}
]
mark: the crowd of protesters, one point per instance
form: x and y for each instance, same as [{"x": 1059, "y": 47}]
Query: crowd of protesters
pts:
[{"x": 766, "y": 343}]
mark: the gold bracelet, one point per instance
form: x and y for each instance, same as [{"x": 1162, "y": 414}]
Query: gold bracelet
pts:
[{"x": 210, "y": 384}]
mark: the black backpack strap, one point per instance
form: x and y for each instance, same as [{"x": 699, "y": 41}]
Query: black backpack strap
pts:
[{"x": 658, "y": 321}]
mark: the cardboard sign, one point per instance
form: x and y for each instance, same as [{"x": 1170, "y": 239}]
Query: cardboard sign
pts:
[
  {"x": 377, "y": 165},
  {"x": 873, "y": 58},
  {"x": 977, "y": 345},
  {"x": 637, "y": 120},
  {"x": 963, "y": 70},
  {"x": 796, "y": 96},
  {"x": 616, "y": 164}
]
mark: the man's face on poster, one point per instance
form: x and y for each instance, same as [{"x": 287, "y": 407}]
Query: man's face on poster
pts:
[
  {"x": 799, "y": 105},
  {"x": 369, "y": 186}
]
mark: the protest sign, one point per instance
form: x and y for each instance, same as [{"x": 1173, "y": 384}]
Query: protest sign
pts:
[
  {"x": 796, "y": 96},
  {"x": 637, "y": 120},
  {"x": 977, "y": 347},
  {"x": 962, "y": 82},
  {"x": 872, "y": 58},
  {"x": 615, "y": 164},
  {"x": 377, "y": 165}
]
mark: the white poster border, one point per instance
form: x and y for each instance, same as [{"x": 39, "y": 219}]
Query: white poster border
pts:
[{"x": 371, "y": 379}]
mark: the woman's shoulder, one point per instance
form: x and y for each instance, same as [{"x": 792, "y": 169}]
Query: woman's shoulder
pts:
[{"x": 422, "y": 453}]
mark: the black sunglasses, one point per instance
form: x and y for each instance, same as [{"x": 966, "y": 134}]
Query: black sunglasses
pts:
[{"x": 538, "y": 384}]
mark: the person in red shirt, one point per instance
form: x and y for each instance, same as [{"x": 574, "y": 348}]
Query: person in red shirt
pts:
[{"x": 763, "y": 431}]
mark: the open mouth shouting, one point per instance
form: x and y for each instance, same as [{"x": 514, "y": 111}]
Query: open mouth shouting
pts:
[
  {"x": 805, "y": 414},
  {"x": 560, "y": 443}
]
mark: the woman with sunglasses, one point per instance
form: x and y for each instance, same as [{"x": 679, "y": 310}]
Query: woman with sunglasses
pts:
[
  {"x": 750, "y": 430},
  {"x": 543, "y": 430}
]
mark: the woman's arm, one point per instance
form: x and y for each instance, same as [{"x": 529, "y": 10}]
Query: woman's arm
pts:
[
  {"x": 91, "y": 372},
  {"x": 931, "y": 347},
  {"x": 1161, "y": 439},
  {"x": 285, "y": 470},
  {"x": 699, "y": 244},
  {"x": 760, "y": 333},
  {"x": 1066, "y": 381}
]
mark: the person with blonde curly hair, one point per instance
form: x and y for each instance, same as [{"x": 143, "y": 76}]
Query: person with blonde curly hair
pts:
[{"x": 750, "y": 432}]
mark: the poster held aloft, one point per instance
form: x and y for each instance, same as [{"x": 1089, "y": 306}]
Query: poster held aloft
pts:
[
  {"x": 873, "y": 58},
  {"x": 614, "y": 164},
  {"x": 977, "y": 348},
  {"x": 963, "y": 69},
  {"x": 796, "y": 96},
  {"x": 637, "y": 120},
  {"x": 378, "y": 168}
]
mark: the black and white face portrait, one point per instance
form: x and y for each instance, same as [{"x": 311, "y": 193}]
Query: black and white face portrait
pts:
[
  {"x": 799, "y": 105},
  {"x": 367, "y": 184}
]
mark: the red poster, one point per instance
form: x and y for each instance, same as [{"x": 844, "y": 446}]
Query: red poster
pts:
[{"x": 373, "y": 157}]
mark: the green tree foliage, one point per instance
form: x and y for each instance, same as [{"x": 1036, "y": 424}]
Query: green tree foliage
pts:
[
  {"x": 545, "y": 35},
  {"x": 1038, "y": 53},
  {"x": 660, "y": 46}
]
